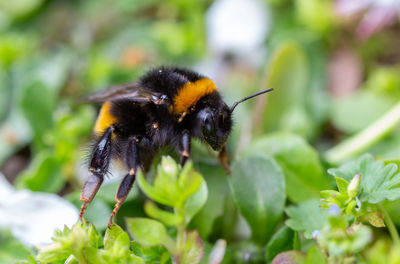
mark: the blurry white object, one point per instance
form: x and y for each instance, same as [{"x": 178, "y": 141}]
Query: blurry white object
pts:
[
  {"x": 237, "y": 26},
  {"x": 218, "y": 252},
  {"x": 32, "y": 217}
]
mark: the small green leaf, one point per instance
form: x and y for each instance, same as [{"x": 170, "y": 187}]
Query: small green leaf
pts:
[
  {"x": 149, "y": 232},
  {"x": 281, "y": 241},
  {"x": 306, "y": 217},
  {"x": 151, "y": 192},
  {"x": 258, "y": 188},
  {"x": 341, "y": 184},
  {"x": 167, "y": 218}
]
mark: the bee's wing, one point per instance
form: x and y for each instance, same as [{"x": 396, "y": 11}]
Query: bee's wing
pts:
[{"x": 131, "y": 91}]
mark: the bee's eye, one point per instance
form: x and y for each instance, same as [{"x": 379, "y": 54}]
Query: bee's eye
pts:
[{"x": 208, "y": 123}]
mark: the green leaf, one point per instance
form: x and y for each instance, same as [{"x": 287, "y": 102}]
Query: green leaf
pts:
[
  {"x": 193, "y": 249},
  {"x": 149, "y": 232},
  {"x": 167, "y": 218},
  {"x": 151, "y": 192},
  {"x": 306, "y": 217},
  {"x": 258, "y": 188},
  {"x": 281, "y": 241},
  {"x": 300, "y": 164},
  {"x": 378, "y": 181},
  {"x": 314, "y": 255},
  {"x": 289, "y": 257},
  {"x": 341, "y": 184}
]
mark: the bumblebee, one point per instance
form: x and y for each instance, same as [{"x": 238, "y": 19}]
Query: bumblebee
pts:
[{"x": 166, "y": 107}]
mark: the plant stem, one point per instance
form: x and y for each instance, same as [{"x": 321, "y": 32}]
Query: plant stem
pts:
[
  {"x": 181, "y": 236},
  {"x": 366, "y": 138},
  {"x": 390, "y": 225}
]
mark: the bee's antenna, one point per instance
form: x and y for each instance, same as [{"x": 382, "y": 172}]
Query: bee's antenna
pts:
[{"x": 249, "y": 97}]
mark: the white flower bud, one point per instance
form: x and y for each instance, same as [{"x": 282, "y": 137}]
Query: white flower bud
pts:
[{"x": 354, "y": 186}]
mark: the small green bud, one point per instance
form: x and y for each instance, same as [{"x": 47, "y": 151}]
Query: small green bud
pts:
[
  {"x": 354, "y": 186},
  {"x": 169, "y": 168}
]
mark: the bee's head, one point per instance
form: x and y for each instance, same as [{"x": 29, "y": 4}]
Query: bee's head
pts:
[
  {"x": 215, "y": 119},
  {"x": 215, "y": 124}
]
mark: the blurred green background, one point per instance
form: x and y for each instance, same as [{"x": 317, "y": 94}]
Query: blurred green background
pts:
[{"x": 335, "y": 67}]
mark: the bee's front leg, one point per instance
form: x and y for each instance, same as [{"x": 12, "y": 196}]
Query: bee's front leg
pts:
[
  {"x": 185, "y": 147},
  {"x": 98, "y": 167},
  {"x": 223, "y": 159},
  {"x": 133, "y": 162}
]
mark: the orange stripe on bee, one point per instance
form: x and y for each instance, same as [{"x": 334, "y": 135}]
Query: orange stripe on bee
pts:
[
  {"x": 192, "y": 92},
  {"x": 105, "y": 119}
]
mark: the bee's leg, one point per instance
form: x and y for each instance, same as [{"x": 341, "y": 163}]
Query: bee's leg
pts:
[
  {"x": 133, "y": 162},
  {"x": 185, "y": 147},
  {"x": 98, "y": 167},
  {"x": 223, "y": 159}
]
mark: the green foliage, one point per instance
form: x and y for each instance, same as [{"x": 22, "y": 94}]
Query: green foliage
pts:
[
  {"x": 83, "y": 244},
  {"x": 54, "y": 52}
]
